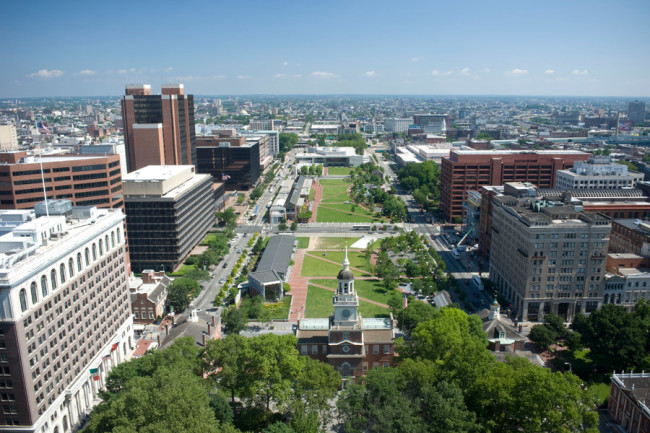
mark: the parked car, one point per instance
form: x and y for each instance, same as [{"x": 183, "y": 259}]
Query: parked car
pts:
[{"x": 225, "y": 265}]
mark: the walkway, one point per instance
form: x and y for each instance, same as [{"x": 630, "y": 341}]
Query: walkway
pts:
[
  {"x": 318, "y": 196},
  {"x": 298, "y": 288},
  {"x": 336, "y": 263}
]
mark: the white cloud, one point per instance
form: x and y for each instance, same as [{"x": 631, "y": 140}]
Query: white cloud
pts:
[
  {"x": 169, "y": 69},
  {"x": 416, "y": 59},
  {"x": 280, "y": 75},
  {"x": 549, "y": 71},
  {"x": 486, "y": 70},
  {"x": 218, "y": 77},
  {"x": 285, "y": 64},
  {"x": 46, "y": 73},
  {"x": 370, "y": 74},
  {"x": 466, "y": 72},
  {"x": 243, "y": 77},
  {"x": 86, "y": 72},
  {"x": 320, "y": 74},
  {"x": 122, "y": 71},
  {"x": 517, "y": 72},
  {"x": 437, "y": 73},
  {"x": 580, "y": 72}
]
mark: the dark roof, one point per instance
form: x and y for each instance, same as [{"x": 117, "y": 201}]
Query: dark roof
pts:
[
  {"x": 345, "y": 275},
  {"x": 265, "y": 277},
  {"x": 442, "y": 299},
  {"x": 277, "y": 254}
]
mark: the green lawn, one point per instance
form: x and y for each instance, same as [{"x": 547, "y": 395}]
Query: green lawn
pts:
[
  {"x": 312, "y": 195},
  {"x": 601, "y": 390},
  {"x": 369, "y": 289},
  {"x": 334, "y": 190},
  {"x": 184, "y": 269},
  {"x": 348, "y": 208},
  {"x": 279, "y": 310},
  {"x": 314, "y": 267},
  {"x": 302, "y": 242},
  {"x": 319, "y": 304},
  {"x": 338, "y": 171},
  {"x": 325, "y": 215},
  {"x": 333, "y": 243},
  {"x": 357, "y": 259}
]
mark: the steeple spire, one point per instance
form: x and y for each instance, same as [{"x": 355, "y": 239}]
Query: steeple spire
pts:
[{"x": 346, "y": 262}]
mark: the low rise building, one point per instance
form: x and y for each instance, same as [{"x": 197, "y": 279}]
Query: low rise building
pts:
[
  {"x": 627, "y": 403},
  {"x": 630, "y": 236},
  {"x": 350, "y": 343},
  {"x": 268, "y": 278},
  {"x": 597, "y": 173},
  {"x": 148, "y": 296},
  {"x": 330, "y": 157}
]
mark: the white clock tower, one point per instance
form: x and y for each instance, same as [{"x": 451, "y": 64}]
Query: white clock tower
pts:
[{"x": 346, "y": 301}]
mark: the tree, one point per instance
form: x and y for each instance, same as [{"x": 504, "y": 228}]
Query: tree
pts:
[
  {"x": 294, "y": 226},
  {"x": 282, "y": 226},
  {"x": 278, "y": 427},
  {"x": 556, "y": 323},
  {"x": 287, "y": 141},
  {"x": 234, "y": 321},
  {"x": 221, "y": 408},
  {"x": 543, "y": 336},
  {"x": 180, "y": 292},
  {"x": 228, "y": 361},
  {"x": 484, "y": 136},
  {"x": 259, "y": 245},
  {"x": 416, "y": 313}
]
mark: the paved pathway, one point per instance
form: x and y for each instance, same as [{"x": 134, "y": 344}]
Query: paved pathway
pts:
[
  {"x": 318, "y": 196},
  {"x": 298, "y": 288},
  {"x": 336, "y": 263}
]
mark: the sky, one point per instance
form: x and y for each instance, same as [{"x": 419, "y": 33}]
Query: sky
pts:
[{"x": 226, "y": 47}]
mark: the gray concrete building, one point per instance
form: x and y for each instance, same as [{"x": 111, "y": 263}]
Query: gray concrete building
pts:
[
  {"x": 169, "y": 210},
  {"x": 65, "y": 316},
  {"x": 548, "y": 257},
  {"x": 597, "y": 173}
]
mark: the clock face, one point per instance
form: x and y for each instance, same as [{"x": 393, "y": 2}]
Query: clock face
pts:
[
  {"x": 345, "y": 313},
  {"x": 346, "y": 348}
]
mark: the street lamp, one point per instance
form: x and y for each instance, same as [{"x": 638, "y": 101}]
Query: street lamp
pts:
[{"x": 570, "y": 367}]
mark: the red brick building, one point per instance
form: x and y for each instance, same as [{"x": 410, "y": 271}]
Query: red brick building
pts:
[
  {"x": 627, "y": 401},
  {"x": 351, "y": 344},
  {"x": 85, "y": 180},
  {"x": 467, "y": 170}
]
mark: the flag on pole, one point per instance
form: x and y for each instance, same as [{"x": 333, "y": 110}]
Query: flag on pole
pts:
[
  {"x": 114, "y": 347},
  {"x": 406, "y": 302},
  {"x": 107, "y": 357}
]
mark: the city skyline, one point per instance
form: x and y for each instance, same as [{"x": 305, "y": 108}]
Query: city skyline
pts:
[{"x": 550, "y": 49}]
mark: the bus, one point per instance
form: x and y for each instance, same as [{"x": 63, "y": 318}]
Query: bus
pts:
[
  {"x": 477, "y": 281},
  {"x": 361, "y": 227}
]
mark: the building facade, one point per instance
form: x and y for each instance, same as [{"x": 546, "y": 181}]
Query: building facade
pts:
[
  {"x": 65, "y": 316},
  {"x": 630, "y": 236},
  {"x": 237, "y": 165},
  {"x": 627, "y": 403},
  {"x": 396, "y": 124},
  {"x": 636, "y": 111},
  {"x": 351, "y": 344},
  {"x": 330, "y": 157},
  {"x": 597, "y": 173},
  {"x": 169, "y": 210},
  {"x": 158, "y": 129},
  {"x": 8, "y": 138},
  {"x": 91, "y": 180},
  {"x": 149, "y": 296},
  {"x": 467, "y": 170},
  {"x": 546, "y": 257}
]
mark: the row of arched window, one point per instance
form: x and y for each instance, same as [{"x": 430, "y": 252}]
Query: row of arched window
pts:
[{"x": 63, "y": 274}]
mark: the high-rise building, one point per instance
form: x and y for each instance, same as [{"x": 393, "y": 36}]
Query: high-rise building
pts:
[
  {"x": 351, "y": 344},
  {"x": 65, "y": 316},
  {"x": 432, "y": 123},
  {"x": 273, "y": 140},
  {"x": 546, "y": 257},
  {"x": 8, "y": 138},
  {"x": 395, "y": 124},
  {"x": 466, "y": 170},
  {"x": 158, "y": 129},
  {"x": 636, "y": 111},
  {"x": 262, "y": 124},
  {"x": 234, "y": 161},
  {"x": 597, "y": 173},
  {"x": 169, "y": 210},
  {"x": 85, "y": 180}
]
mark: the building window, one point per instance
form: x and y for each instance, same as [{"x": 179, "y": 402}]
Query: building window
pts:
[
  {"x": 34, "y": 293},
  {"x": 303, "y": 349},
  {"x": 87, "y": 254},
  {"x": 62, "y": 271},
  {"x": 44, "y": 285},
  {"x": 112, "y": 240},
  {"x": 78, "y": 262},
  {"x": 375, "y": 349},
  {"x": 94, "y": 249},
  {"x": 53, "y": 279},
  {"x": 314, "y": 349},
  {"x": 386, "y": 348},
  {"x": 23, "y": 300},
  {"x": 101, "y": 248},
  {"x": 118, "y": 236},
  {"x": 136, "y": 315},
  {"x": 71, "y": 267}
]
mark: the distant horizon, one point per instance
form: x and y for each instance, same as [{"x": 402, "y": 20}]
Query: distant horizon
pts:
[
  {"x": 366, "y": 47},
  {"x": 392, "y": 95}
]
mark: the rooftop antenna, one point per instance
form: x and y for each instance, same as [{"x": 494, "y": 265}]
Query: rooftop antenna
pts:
[{"x": 47, "y": 210}]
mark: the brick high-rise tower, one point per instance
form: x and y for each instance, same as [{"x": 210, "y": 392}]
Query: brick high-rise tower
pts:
[{"x": 158, "y": 129}]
